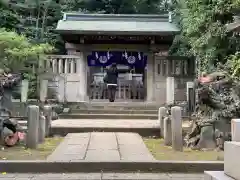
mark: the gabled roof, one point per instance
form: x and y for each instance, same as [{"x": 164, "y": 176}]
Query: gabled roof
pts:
[{"x": 121, "y": 24}]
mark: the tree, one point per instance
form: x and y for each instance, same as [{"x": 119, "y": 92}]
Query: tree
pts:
[
  {"x": 8, "y": 19},
  {"x": 203, "y": 32},
  {"x": 122, "y": 6},
  {"x": 16, "y": 51}
]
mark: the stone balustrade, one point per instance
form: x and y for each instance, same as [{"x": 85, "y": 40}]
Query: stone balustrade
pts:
[{"x": 61, "y": 64}]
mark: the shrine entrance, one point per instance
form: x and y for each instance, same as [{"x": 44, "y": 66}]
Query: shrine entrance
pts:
[
  {"x": 131, "y": 68},
  {"x": 129, "y": 40}
]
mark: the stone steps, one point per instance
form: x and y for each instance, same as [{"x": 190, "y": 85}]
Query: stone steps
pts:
[
  {"x": 144, "y": 127},
  {"x": 115, "y": 105},
  {"x": 114, "y": 111},
  {"x": 108, "y": 116},
  {"x": 101, "y": 176}
]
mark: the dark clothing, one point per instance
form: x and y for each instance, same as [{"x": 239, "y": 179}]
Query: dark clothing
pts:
[
  {"x": 111, "y": 92},
  {"x": 111, "y": 79},
  {"x": 111, "y": 76}
]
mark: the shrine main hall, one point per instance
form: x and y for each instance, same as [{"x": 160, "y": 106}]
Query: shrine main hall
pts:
[{"x": 138, "y": 44}]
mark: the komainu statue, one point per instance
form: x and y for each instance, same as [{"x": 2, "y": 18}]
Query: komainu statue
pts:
[{"x": 218, "y": 102}]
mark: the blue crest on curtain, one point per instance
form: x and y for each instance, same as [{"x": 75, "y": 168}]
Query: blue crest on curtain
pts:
[
  {"x": 105, "y": 58},
  {"x": 100, "y": 58},
  {"x": 134, "y": 59}
]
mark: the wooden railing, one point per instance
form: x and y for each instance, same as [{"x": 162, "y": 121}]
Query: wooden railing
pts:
[{"x": 126, "y": 89}]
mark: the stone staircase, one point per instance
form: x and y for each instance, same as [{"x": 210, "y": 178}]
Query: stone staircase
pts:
[
  {"x": 134, "y": 111},
  {"x": 137, "y": 117}
]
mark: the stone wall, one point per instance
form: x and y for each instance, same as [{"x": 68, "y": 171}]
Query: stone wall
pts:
[{"x": 162, "y": 90}]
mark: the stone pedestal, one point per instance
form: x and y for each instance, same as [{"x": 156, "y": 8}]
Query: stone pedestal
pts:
[
  {"x": 190, "y": 85},
  {"x": 150, "y": 78},
  {"x": 48, "y": 121},
  {"x": 161, "y": 114},
  {"x": 232, "y": 159},
  {"x": 43, "y": 90},
  {"x": 176, "y": 121},
  {"x": 41, "y": 128},
  {"x": 61, "y": 89},
  {"x": 33, "y": 124},
  {"x": 24, "y": 90},
  {"x": 167, "y": 134},
  {"x": 191, "y": 97},
  {"x": 6, "y": 101},
  {"x": 235, "y": 129},
  {"x": 82, "y": 71},
  {"x": 170, "y": 88},
  {"x": 216, "y": 175}
]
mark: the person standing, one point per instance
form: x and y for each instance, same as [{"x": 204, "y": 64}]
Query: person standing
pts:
[{"x": 111, "y": 79}]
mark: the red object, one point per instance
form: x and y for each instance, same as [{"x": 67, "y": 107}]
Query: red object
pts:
[
  {"x": 205, "y": 79},
  {"x": 13, "y": 139}
]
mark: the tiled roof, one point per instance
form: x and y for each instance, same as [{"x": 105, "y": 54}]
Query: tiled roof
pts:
[{"x": 77, "y": 23}]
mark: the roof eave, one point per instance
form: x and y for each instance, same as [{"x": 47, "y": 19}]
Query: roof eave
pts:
[{"x": 143, "y": 33}]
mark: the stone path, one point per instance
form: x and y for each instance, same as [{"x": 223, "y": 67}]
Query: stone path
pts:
[
  {"x": 103, "y": 176},
  {"x": 110, "y": 123},
  {"x": 102, "y": 146}
]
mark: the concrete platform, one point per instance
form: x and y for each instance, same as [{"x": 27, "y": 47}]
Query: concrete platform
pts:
[
  {"x": 100, "y": 147},
  {"x": 102, "y": 176},
  {"x": 143, "y": 127},
  {"x": 108, "y": 116},
  {"x": 216, "y": 175},
  {"x": 232, "y": 159}
]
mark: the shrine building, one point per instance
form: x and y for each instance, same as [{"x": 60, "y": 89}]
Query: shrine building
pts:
[{"x": 137, "y": 43}]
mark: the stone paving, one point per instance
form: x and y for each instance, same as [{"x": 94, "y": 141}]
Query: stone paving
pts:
[
  {"x": 110, "y": 123},
  {"x": 103, "y": 176},
  {"x": 102, "y": 146}
]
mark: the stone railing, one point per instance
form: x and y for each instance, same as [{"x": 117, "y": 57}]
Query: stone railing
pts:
[{"x": 61, "y": 64}]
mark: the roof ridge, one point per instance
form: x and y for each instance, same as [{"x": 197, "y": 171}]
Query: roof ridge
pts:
[{"x": 115, "y": 16}]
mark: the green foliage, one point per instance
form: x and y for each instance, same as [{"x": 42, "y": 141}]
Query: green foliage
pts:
[
  {"x": 123, "y": 6},
  {"x": 8, "y": 19},
  {"x": 232, "y": 65},
  {"x": 16, "y": 51},
  {"x": 203, "y": 32}
]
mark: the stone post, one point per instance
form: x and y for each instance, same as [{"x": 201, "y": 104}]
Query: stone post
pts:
[
  {"x": 170, "y": 88},
  {"x": 235, "y": 130},
  {"x": 177, "y": 139},
  {"x": 161, "y": 114},
  {"x": 43, "y": 90},
  {"x": 167, "y": 131},
  {"x": 48, "y": 114},
  {"x": 33, "y": 123},
  {"x": 191, "y": 97},
  {"x": 61, "y": 89},
  {"x": 41, "y": 128},
  {"x": 24, "y": 90}
]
